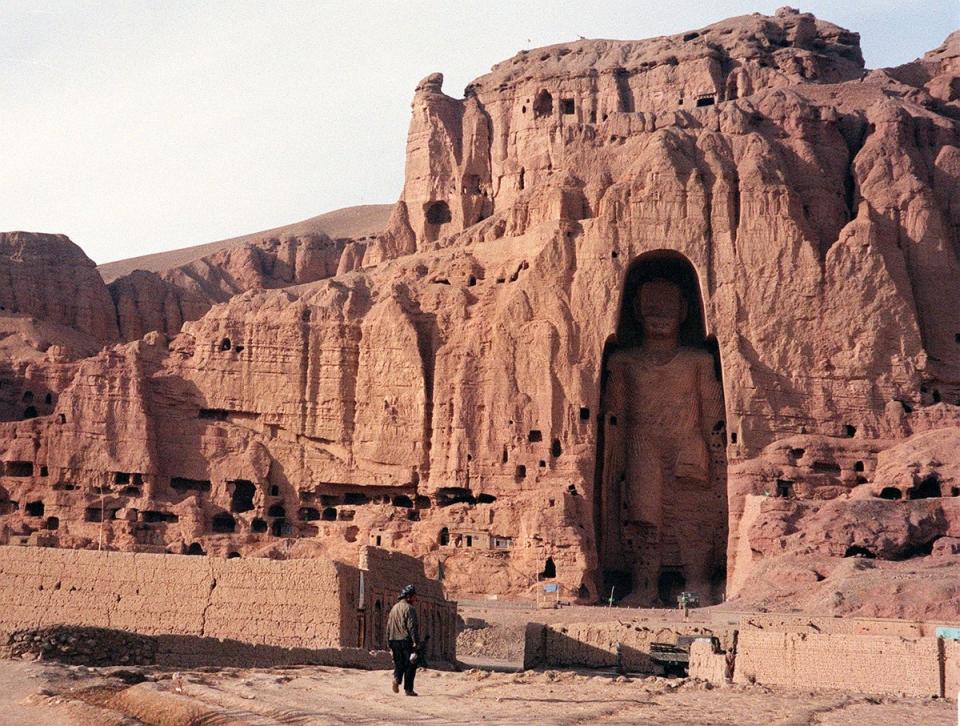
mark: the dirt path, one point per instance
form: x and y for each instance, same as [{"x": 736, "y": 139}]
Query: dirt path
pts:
[{"x": 47, "y": 694}]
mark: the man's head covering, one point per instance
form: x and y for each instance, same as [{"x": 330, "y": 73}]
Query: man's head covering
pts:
[{"x": 407, "y": 592}]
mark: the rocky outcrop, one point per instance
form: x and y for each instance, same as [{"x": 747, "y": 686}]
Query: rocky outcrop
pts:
[
  {"x": 439, "y": 389},
  {"x": 47, "y": 276},
  {"x": 152, "y": 301}
]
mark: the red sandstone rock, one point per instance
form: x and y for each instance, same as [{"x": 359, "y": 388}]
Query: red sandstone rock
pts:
[
  {"x": 436, "y": 390},
  {"x": 47, "y": 276}
]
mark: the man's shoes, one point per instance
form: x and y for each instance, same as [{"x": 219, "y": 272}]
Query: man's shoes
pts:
[
  {"x": 396, "y": 687},
  {"x": 410, "y": 693}
]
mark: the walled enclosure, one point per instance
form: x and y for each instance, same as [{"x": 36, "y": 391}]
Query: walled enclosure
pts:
[
  {"x": 850, "y": 654},
  {"x": 437, "y": 389},
  {"x": 209, "y": 609}
]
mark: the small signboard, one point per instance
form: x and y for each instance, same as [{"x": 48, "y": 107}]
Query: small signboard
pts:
[{"x": 551, "y": 587}]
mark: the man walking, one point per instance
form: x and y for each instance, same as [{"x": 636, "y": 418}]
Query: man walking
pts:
[{"x": 404, "y": 636}]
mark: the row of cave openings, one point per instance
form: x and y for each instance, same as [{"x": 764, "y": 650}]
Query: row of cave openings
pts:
[{"x": 30, "y": 405}]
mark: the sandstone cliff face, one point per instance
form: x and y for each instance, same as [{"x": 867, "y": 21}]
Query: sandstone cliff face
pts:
[
  {"x": 438, "y": 389},
  {"x": 163, "y": 301},
  {"x": 48, "y": 277}
]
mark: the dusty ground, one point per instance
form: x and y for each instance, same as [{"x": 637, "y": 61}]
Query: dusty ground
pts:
[{"x": 39, "y": 694}]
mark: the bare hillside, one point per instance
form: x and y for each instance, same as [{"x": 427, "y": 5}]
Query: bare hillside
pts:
[{"x": 354, "y": 222}]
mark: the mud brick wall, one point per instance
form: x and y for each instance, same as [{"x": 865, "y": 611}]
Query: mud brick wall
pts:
[
  {"x": 838, "y": 625},
  {"x": 706, "y": 664},
  {"x": 951, "y": 668},
  {"x": 861, "y": 663},
  {"x": 594, "y": 645},
  {"x": 289, "y": 604},
  {"x": 386, "y": 573}
]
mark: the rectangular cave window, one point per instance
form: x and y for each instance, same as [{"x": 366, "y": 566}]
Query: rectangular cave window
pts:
[
  {"x": 223, "y": 523},
  {"x": 155, "y": 517},
  {"x": 784, "y": 488},
  {"x": 355, "y": 498},
  {"x": 469, "y": 540},
  {"x": 121, "y": 477},
  {"x": 95, "y": 514},
  {"x": 584, "y": 413},
  {"x": 454, "y": 495},
  {"x": 182, "y": 484},
  {"x": 534, "y": 436},
  {"x": 379, "y": 540},
  {"x": 213, "y": 414},
  {"x": 242, "y": 498},
  {"x": 521, "y": 471},
  {"x": 567, "y": 106},
  {"x": 19, "y": 468},
  {"x": 705, "y": 101},
  {"x": 34, "y": 509}
]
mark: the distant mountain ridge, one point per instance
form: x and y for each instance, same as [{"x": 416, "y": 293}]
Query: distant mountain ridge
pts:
[{"x": 357, "y": 222}]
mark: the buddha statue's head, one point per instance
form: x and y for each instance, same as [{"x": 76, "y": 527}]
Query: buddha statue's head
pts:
[{"x": 661, "y": 309}]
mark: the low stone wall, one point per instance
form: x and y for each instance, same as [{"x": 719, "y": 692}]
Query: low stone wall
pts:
[
  {"x": 193, "y": 602},
  {"x": 594, "y": 645},
  {"x": 860, "y": 663},
  {"x": 82, "y": 646},
  {"x": 105, "y": 647}
]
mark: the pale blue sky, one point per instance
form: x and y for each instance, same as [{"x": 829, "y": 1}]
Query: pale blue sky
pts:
[{"x": 135, "y": 127}]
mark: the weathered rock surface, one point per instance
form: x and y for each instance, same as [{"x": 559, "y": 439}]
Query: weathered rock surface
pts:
[
  {"x": 438, "y": 389},
  {"x": 47, "y": 276}
]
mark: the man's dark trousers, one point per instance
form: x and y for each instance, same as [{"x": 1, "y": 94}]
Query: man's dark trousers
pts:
[{"x": 403, "y": 669}]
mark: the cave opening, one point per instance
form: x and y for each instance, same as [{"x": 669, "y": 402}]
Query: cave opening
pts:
[
  {"x": 660, "y": 482},
  {"x": 241, "y": 500},
  {"x": 438, "y": 213},
  {"x": 670, "y": 583},
  {"x": 223, "y": 523},
  {"x": 928, "y": 488},
  {"x": 543, "y": 104},
  {"x": 549, "y": 570}
]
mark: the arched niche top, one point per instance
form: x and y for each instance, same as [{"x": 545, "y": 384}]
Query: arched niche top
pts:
[{"x": 668, "y": 265}]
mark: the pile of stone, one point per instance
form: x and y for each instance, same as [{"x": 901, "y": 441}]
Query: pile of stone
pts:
[{"x": 81, "y": 646}]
